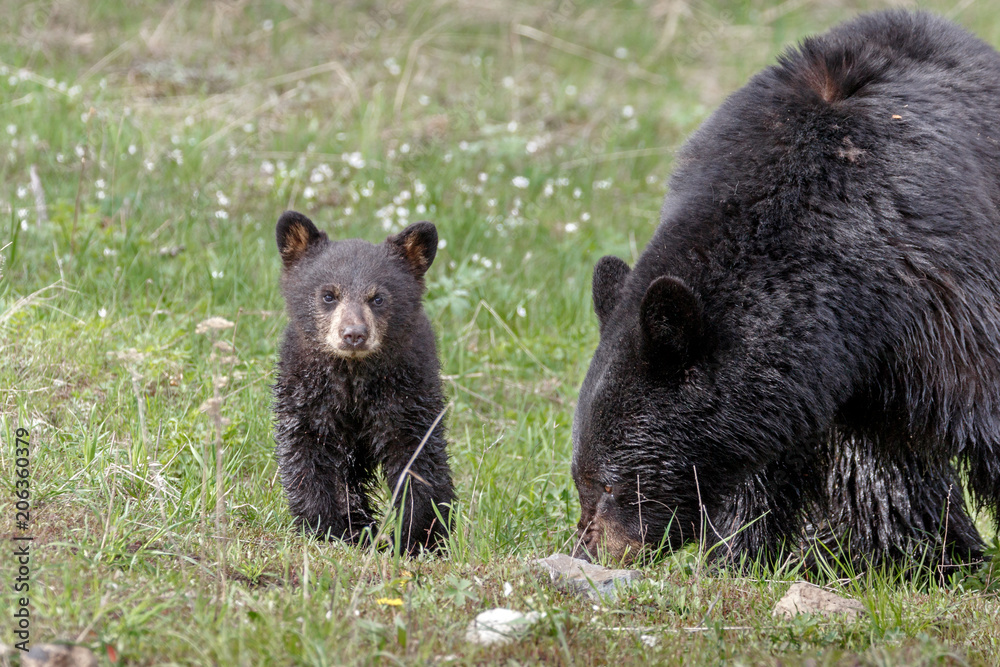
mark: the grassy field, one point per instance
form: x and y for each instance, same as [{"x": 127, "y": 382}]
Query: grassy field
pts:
[{"x": 166, "y": 138}]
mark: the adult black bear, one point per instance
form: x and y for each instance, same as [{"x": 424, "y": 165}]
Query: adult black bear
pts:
[
  {"x": 359, "y": 383},
  {"x": 812, "y": 336}
]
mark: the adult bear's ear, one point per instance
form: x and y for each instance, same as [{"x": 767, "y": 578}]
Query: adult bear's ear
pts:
[
  {"x": 417, "y": 245},
  {"x": 295, "y": 234},
  {"x": 609, "y": 276},
  {"x": 672, "y": 321}
]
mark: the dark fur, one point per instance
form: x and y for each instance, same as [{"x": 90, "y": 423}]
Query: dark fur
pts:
[
  {"x": 338, "y": 419},
  {"x": 814, "y": 329}
]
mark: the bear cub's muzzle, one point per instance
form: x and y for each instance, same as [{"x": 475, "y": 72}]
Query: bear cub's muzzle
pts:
[{"x": 351, "y": 332}]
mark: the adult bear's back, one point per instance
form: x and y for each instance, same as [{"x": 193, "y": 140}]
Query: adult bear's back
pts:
[
  {"x": 868, "y": 161},
  {"x": 895, "y": 101}
]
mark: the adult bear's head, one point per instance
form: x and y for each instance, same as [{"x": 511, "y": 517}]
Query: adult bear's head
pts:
[{"x": 639, "y": 402}]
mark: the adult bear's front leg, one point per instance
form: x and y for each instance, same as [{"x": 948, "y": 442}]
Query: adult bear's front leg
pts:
[
  {"x": 762, "y": 521},
  {"x": 895, "y": 508}
]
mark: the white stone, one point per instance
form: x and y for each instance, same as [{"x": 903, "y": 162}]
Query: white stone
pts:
[
  {"x": 500, "y": 626},
  {"x": 803, "y": 598}
]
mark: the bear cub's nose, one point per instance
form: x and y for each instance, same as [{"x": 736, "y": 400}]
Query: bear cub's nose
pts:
[{"x": 354, "y": 335}]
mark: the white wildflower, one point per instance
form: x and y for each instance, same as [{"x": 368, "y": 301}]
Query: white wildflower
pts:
[
  {"x": 213, "y": 323},
  {"x": 354, "y": 159}
]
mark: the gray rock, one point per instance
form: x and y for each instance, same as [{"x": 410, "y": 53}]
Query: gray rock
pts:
[
  {"x": 804, "y": 598},
  {"x": 58, "y": 655},
  {"x": 579, "y": 576}
]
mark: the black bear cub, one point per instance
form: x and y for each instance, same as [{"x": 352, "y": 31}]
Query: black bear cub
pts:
[
  {"x": 809, "y": 347},
  {"x": 359, "y": 384}
]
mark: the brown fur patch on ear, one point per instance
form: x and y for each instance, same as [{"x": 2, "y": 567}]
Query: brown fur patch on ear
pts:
[
  {"x": 417, "y": 245},
  {"x": 296, "y": 242},
  {"x": 295, "y": 233},
  {"x": 415, "y": 254}
]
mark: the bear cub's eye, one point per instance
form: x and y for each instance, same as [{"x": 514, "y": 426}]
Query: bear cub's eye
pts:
[
  {"x": 607, "y": 488},
  {"x": 328, "y": 297},
  {"x": 378, "y": 300}
]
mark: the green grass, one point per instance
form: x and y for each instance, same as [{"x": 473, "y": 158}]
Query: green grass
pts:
[{"x": 168, "y": 138}]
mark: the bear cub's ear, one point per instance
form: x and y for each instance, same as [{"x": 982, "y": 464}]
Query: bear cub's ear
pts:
[
  {"x": 417, "y": 245},
  {"x": 295, "y": 233},
  {"x": 672, "y": 321},
  {"x": 609, "y": 275}
]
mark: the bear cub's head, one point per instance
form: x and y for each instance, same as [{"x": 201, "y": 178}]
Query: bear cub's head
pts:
[{"x": 351, "y": 298}]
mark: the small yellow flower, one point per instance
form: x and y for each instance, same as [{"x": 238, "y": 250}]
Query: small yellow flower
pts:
[{"x": 390, "y": 602}]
